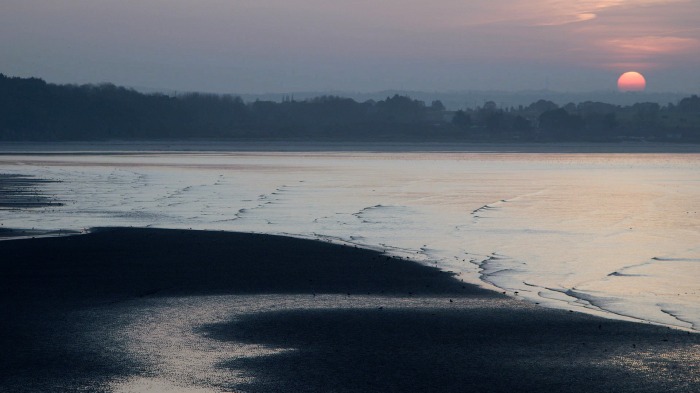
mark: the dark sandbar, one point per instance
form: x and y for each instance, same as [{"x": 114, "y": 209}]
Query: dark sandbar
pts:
[
  {"x": 413, "y": 328},
  {"x": 112, "y": 262}
]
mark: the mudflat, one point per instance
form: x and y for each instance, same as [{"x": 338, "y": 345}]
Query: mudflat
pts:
[{"x": 181, "y": 310}]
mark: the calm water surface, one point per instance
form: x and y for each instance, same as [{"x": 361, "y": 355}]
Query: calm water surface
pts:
[{"x": 611, "y": 234}]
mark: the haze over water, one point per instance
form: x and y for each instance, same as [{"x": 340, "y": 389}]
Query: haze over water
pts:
[{"x": 612, "y": 234}]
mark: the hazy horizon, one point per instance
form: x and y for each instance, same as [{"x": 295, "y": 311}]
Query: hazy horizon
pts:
[
  {"x": 270, "y": 46},
  {"x": 451, "y": 99}
]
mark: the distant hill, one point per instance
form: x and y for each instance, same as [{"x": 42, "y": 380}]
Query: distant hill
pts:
[{"x": 472, "y": 99}]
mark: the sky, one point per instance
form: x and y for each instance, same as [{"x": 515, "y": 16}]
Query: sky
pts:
[{"x": 272, "y": 46}]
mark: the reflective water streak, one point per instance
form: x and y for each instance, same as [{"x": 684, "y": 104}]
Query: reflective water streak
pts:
[{"x": 602, "y": 233}]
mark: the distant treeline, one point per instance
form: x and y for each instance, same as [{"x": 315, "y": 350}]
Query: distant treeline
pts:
[{"x": 31, "y": 109}]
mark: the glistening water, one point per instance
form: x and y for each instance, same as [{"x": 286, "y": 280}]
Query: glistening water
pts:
[{"x": 610, "y": 234}]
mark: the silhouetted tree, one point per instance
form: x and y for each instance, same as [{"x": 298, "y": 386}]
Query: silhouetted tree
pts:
[
  {"x": 690, "y": 104},
  {"x": 558, "y": 123},
  {"x": 542, "y": 106},
  {"x": 437, "y": 106},
  {"x": 462, "y": 120}
]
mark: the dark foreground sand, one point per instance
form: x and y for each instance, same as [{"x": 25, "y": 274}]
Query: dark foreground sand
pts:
[{"x": 349, "y": 320}]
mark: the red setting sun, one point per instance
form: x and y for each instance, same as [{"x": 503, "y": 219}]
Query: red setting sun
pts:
[{"x": 631, "y": 81}]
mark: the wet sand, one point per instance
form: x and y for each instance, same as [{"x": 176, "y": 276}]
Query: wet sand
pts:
[
  {"x": 323, "y": 318},
  {"x": 23, "y": 192}
]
